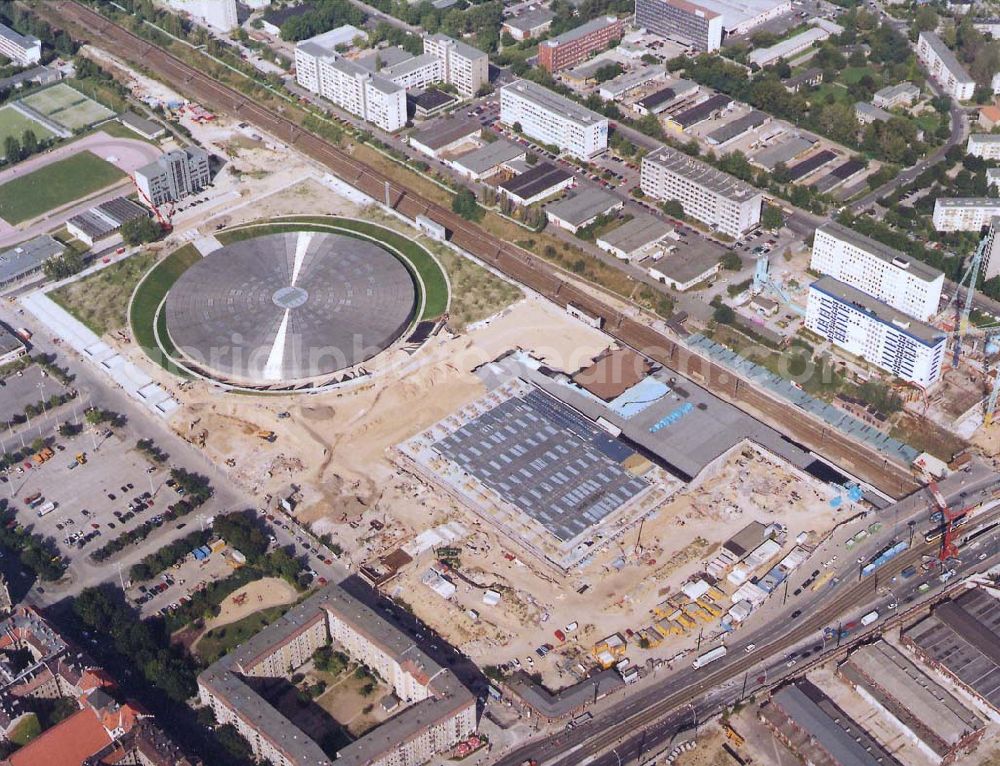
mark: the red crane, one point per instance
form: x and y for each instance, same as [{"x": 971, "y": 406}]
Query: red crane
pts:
[
  {"x": 948, "y": 517},
  {"x": 164, "y": 221}
]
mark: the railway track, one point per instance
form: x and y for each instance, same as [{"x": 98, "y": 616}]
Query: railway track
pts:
[
  {"x": 648, "y": 713},
  {"x": 520, "y": 265}
]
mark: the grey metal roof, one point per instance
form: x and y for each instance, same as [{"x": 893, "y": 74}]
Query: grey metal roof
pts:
[
  {"x": 948, "y": 59},
  {"x": 584, "y": 205},
  {"x": 489, "y": 156},
  {"x": 963, "y": 636},
  {"x": 626, "y": 82},
  {"x": 551, "y": 463},
  {"x": 783, "y": 152},
  {"x": 384, "y": 58},
  {"x": 881, "y": 312},
  {"x": 902, "y": 88},
  {"x": 872, "y": 112},
  {"x": 581, "y": 31},
  {"x": 448, "y": 696},
  {"x": 701, "y": 173},
  {"x": 530, "y": 20},
  {"x": 291, "y": 306},
  {"x": 447, "y": 130},
  {"x": 839, "y": 735},
  {"x": 881, "y": 251},
  {"x": 967, "y": 202},
  {"x": 463, "y": 49},
  {"x": 141, "y": 124},
  {"x": 27, "y": 257},
  {"x": 738, "y": 127},
  {"x": 925, "y": 707},
  {"x": 700, "y": 112},
  {"x": 684, "y": 265},
  {"x": 633, "y": 235},
  {"x": 25, "y": 41},
  {"x": 554, "y": 102},
  {"x": 8, "y": 341}
]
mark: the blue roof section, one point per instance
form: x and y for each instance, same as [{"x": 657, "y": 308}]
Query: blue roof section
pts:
[
  {"x": 639, "y": 397},
  {"x": 835, "y": 417}
]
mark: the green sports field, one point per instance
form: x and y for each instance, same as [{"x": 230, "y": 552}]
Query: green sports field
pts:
[
  {"x": 67, "y": 106},
  {"x": 55, "y": 185},
  {"x": 13, "y": 123}
]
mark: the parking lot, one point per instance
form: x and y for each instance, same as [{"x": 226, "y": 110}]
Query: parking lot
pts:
[
  {"x": 114, "y": 490},
  {"x": 175, "y": 585},
  {"x": 24, "y": 388}
]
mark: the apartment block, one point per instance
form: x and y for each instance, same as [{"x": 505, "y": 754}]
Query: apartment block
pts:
[
  {"x": 349, "y": 85},
  {"x": 944, "y": 67},
  {"x": 438, "y": 712},
  {"x": 465, "y": 67},
  {"x": 550, "y": 118},
  {"x": 865, "y": 327},
  {"x": 985, "y": 145},
  {"x": 964, "y": 213},
  {"x": 21, "y": 49},
  {"x": 682, "y": 21},
  {"x": 576, "y": 45},
  {"x": 415, "y": 72},
  {"x": 878, "y": 270},
  {"x": 717, "y": 199},
  {"x": 174, "y": 176}
]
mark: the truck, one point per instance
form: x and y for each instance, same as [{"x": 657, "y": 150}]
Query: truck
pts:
[
  {"x": 38, "y": 500},
  {"x": 46, "y": 508},
  {"x": 709, "y": 657},
  {"x": 32, "y": 498},
  {"x": 869, "y": 618},
  {"x": 81, "y": 458}
]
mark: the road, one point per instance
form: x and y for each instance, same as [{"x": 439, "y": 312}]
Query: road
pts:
[
  {"x": 959, "y": 132},
  {"x": 631, "y": 328},
  {"x": 97, "y": 391},
  {"x": 850, "y": 597}
]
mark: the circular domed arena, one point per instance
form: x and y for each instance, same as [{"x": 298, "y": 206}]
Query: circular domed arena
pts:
[{"x": 289, "y": 309}]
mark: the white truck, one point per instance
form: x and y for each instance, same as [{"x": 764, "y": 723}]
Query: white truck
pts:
[
  {"x": 869, "y": 618},
  {"x": 708, "y": 657},
  {"x": 45, "y": 508}
]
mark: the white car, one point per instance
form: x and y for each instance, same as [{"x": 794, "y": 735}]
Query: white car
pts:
[{"x": 750, "y": 648}]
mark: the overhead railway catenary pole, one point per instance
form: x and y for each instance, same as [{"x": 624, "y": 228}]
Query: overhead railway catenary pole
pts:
[{"x": 892, "y": 478}]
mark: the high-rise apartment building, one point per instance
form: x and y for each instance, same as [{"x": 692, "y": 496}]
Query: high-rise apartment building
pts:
[
  {"x": 717, "y": 199},
  {"x": 465, "y": 67},
  {"x": 878, "y": 270},
  {"x": 218, "y": 14},
  {"x": 944, "y": 67},
  {"x": 553, "y": 119},
  {"x": 861, "y": 325},
  {"x": 985, "y": 145},
  {"x": 964, "y": 213}
]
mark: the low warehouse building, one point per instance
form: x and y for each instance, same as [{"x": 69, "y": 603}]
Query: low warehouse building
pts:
[
  {"x": 925, "y": 712},
  {"x": 103, "y": 222},
  {"x": 27, "y": 258},
  {"x": 632, "y": 240},
  {"x": 543, "y": 180},
  {"x": 581, "y": 209},
  {"x": 684, "y": 270}
]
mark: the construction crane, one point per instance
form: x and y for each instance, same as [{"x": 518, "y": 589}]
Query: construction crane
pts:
[
  {"x": 948, "y": 547},
  {"x": 164, "y": 220},
  {"x": 968, "y": 281},
  {"x": 762, "y": 282}
]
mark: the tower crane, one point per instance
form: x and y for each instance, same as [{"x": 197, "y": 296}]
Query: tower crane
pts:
[
  {"x": 948, "y": 517},
  {"x": 968, "y": 281}
]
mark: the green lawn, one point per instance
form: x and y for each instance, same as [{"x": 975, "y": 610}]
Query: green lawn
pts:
[
  {"x": 26, "y": 730},
  {"x": 13, "y": 123},
  {"x": 147, "y": 300},
  {"x": 853, "y": 74},
  {"x": 434, "y": 281},
  {"x": 100, "y": 301},
  {"x": 55, "y": 185},
  {"x": 220, "y": 641}
]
